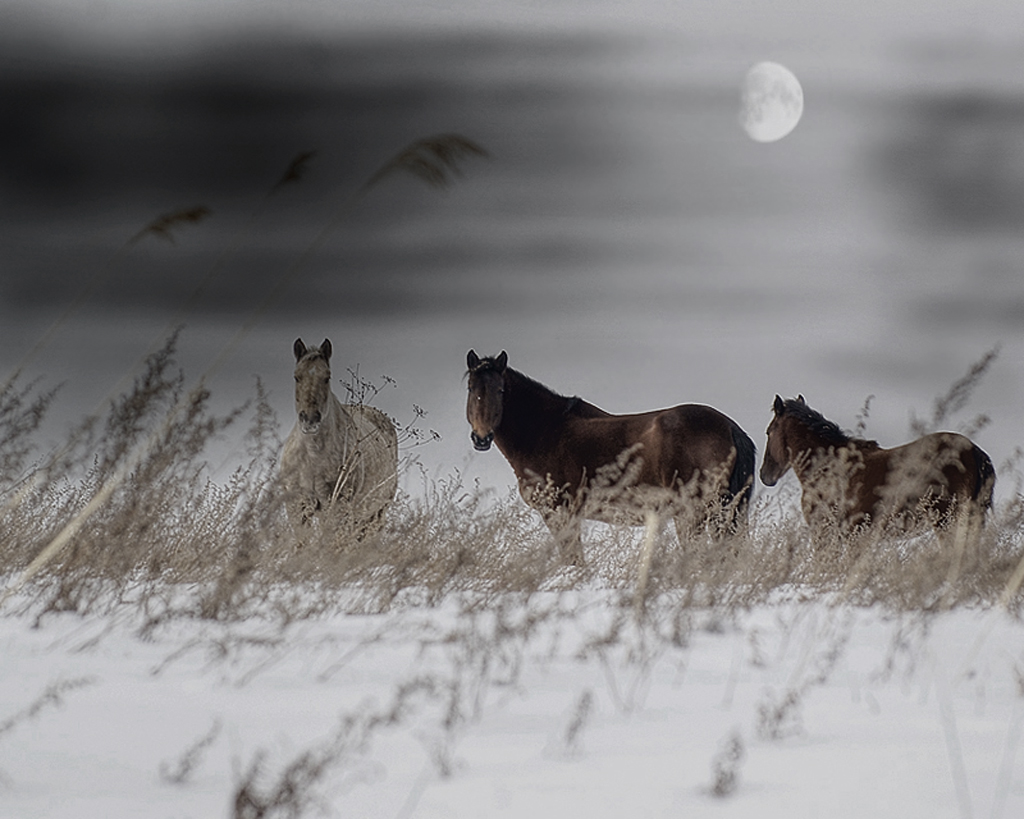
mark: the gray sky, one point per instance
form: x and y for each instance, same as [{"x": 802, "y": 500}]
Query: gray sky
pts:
[
  {"x": 622, "y": 218},
  {"x": 119, "y": 111}
]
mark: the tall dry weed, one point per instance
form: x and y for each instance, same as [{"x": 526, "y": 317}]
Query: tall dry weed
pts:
[
  {"x": 955, "y": 399},
  {"x": 170, "y": 526}
]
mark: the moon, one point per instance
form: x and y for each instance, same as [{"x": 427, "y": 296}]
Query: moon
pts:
[{"x": 772, "y": 102}]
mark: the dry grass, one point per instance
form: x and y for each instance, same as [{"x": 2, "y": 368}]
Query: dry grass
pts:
[
  {"x": 174, "y": 543},
  {"x": 51, "y": 697}
]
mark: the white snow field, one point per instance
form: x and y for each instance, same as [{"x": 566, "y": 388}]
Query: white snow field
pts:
[{"x": 549, "y": 704}]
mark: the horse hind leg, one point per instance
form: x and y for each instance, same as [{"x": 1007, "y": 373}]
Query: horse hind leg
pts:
[
  {"x": 960, "y": 533},
  {"x": 718, "y": 519},
  {"x": 689, "y": 526},
  {"x": 728, "y": 515},
  {"x": 570, "y": 543}
]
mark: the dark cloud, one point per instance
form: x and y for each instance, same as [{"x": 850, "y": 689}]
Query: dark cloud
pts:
[
  {"x": 227, "y": 118},
  {"x": 956, "y": 161},
  {"x": 97, "y": 146}
]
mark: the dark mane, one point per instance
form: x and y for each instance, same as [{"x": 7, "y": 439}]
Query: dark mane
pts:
[
  {"x": 573, "y": 405},
  {"x": 489, "y": 364},
  {"x": 821, "y": 426},
  {"x": 523, "y": 380}
]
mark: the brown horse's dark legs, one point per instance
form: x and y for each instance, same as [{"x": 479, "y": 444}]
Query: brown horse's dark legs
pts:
[
  {"x": 566, "y": 528},
  {"x": 688, "y": 527},
  {"x": 719, "y": 519}
]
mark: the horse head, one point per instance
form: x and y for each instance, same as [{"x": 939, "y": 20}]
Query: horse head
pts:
[
  {"x": 486, "y": 397},
  {"x": 777, "y": 453},
  {"x": 312, "y": 384}
]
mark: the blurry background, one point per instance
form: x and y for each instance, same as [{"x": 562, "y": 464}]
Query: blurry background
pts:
[{"x": 625, "y": 241}]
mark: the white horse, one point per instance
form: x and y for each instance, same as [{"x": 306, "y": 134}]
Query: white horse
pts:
[{"x": 340, "y": 461}]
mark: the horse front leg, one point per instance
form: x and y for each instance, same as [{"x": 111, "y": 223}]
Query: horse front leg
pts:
[
  {"x": 300, "y": 510},
  {"x": 696, "y": 518},
  {"x": 561, "y": 511},
  {"x": 565, "y": 526},
  {"x": 689, "y": 527}
]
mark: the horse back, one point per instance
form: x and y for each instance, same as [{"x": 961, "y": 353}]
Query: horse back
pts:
[
  {"x": 578, "y": 408},
  {"x": 945, "y": 464},
  {"x": 374, "y": 424},
  {"x": 673, "y": 445},
  {"x": 701, "y": 434}
]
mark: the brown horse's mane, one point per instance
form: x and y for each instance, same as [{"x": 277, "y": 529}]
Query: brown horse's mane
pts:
[
  {"x": 523, "y": 380},
  {"x": 574, "y": 405},
  {"x": 818, "y": 424}
]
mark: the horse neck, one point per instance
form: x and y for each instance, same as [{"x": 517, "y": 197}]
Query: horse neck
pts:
[
  {"x": 529, "y": 411},
  {"x": 806, "y": 448},
  {"x": 810, "y": 449}
]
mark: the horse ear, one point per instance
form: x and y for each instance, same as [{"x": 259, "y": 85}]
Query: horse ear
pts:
[
  {"x": 779, "y": 405},
  {"x": 472, "y": 360},
  {"x": 326, "y": 349},
  {"x": 800, "y": 400},
  {"x": 501, "y": 361},
  {"x": 299, "y": 349}
]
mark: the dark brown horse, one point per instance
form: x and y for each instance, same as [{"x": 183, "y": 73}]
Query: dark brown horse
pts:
[
  {"x": 852, "y": 481},
  {"x": 574, "y": 460}
]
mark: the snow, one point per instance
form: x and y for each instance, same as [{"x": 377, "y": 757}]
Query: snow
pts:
[{"x": 900, "y": 715}]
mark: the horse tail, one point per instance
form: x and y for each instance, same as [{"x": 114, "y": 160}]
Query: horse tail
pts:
[
  {"x": 741, "y": 481},
  {"x": 985, "y": 475}
]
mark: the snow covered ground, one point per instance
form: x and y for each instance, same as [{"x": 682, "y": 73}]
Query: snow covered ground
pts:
[{"x": 528, "y": 708}]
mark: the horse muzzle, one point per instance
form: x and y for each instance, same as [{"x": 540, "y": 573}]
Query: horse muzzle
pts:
[
  {"x": 309, "y": 422},
  {"x": 481, "y": 444},
  {"x": 769, "y": 476}
]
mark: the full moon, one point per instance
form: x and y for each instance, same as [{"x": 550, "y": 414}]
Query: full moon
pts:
[{"x": 772, "y": 102}]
